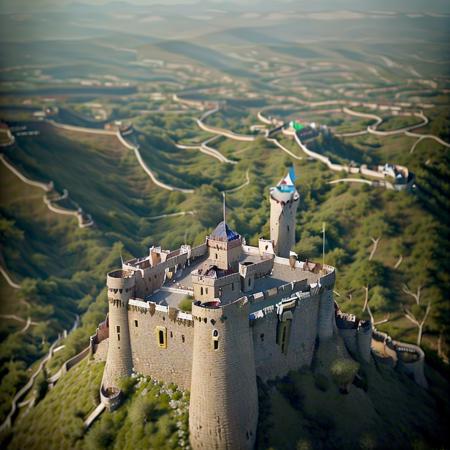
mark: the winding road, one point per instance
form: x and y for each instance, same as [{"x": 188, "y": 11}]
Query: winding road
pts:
[
  {"x": 48, "y": 187},
  {"x": 8, "y": 278}
]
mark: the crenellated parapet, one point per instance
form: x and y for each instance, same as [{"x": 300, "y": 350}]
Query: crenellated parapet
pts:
[
  {"x": 409, "y": 358},
  {"x": 356, "y": 333}
]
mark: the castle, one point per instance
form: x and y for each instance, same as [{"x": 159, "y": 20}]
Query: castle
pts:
[{"x": 256, "y": 312}]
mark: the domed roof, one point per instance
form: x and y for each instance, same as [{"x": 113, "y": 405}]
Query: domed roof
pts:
[{"x": 224, "y": 232}]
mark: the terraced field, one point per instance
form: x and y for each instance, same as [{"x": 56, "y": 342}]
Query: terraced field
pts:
[{"x": 253, "y": 69}]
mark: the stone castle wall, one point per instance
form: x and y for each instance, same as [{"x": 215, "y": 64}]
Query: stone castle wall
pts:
[
  {"x": 173, "y": 364},
  {"x": 269, "y": 359},
  {"x": 223, "y": 411}
]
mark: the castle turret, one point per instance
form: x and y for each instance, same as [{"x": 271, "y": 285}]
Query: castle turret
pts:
[
  {"x": 121, "y": 286},
  {"x": 223, "y": 411},
  {"x": 224, "y": 247},
  {"x": 284, "y": 200}
]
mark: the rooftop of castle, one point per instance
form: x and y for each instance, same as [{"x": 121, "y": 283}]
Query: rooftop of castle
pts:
[
  {"x": 224, "y": 233},
  {"x": 175, "y": 289},
  {"x": 119, "y": 273},
  {"x": 285, "y": 190}
]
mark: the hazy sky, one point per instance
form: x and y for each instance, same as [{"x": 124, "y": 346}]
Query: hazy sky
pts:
[{"x": 442, "y": 6}]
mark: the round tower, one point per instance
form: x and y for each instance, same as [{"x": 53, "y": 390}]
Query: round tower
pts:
[
  {"x": 223, "y": 410},
  {"x": 284, "y": 200},
  {"x": 119, "y": 363},
  {"x": 326, "y": 315}
]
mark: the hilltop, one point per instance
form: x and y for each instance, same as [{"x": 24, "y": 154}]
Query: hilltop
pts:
[{"x": 281, "y": 63}]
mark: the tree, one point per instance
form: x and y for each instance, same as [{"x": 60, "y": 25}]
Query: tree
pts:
[
  {"x": 417, "y": 314},
  {"x": 369, "y": 273},
  {"x": 343, "y": 372},
  {"x": 377, "y": 302},
  {"x": 413, "y": 315},
  {"x": 186, "y": 304}
]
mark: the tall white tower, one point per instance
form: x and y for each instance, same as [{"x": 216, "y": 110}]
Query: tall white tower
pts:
[{"x": 284, "y": 200}]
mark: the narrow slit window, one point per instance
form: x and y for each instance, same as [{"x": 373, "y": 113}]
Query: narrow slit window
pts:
[
  {"x": 118, "y": 337},
  {"x": 118, "y": 328},
  {"x": 161, "y": 337},
  {"x": 216, "y": 345},
  {"x": 136, "y": 324}
]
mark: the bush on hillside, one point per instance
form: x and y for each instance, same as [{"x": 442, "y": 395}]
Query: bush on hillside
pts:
[
  {"x": 127, "y": 385},
  {"x": 343, "y": 372}
]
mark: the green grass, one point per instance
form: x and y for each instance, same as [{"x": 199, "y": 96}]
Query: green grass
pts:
[
  {"x": 392, "y": 413},
  {"x": 56, "y": 421},
  {"x": 146, "y": 418},
  {"x": 397, "y": 122}
]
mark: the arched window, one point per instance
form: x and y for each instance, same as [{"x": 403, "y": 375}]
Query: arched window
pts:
[{"x": 215, "y": 339}]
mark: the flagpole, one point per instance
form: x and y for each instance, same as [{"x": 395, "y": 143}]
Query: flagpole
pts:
[
  {"x": 323, "y": 244},
  {"x": 224, "y": 212}
]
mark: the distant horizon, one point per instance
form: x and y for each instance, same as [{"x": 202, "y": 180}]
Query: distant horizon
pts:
[{"x": 434, "y": 6}]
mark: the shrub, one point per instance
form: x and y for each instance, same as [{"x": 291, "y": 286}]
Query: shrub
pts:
[
  {"x": 100, "y": 438},
  {"x": 343, "y": 372},
  {"x": 142, "y": 410},
  {"x": 94, "y": 394},
  {"x": 186, "y": 304},
  {"x": 303, "y": 444},
  {"x": 127, "y": 384}
]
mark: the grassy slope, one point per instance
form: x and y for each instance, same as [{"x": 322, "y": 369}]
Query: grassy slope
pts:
[
  {"x": 392, "y": 413},
  {"x": 56, "y": 421},
  {"x": 24, "y": 205},
  {"x": 145, "y": 420},
  {"x": 93, "y": 169}
]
